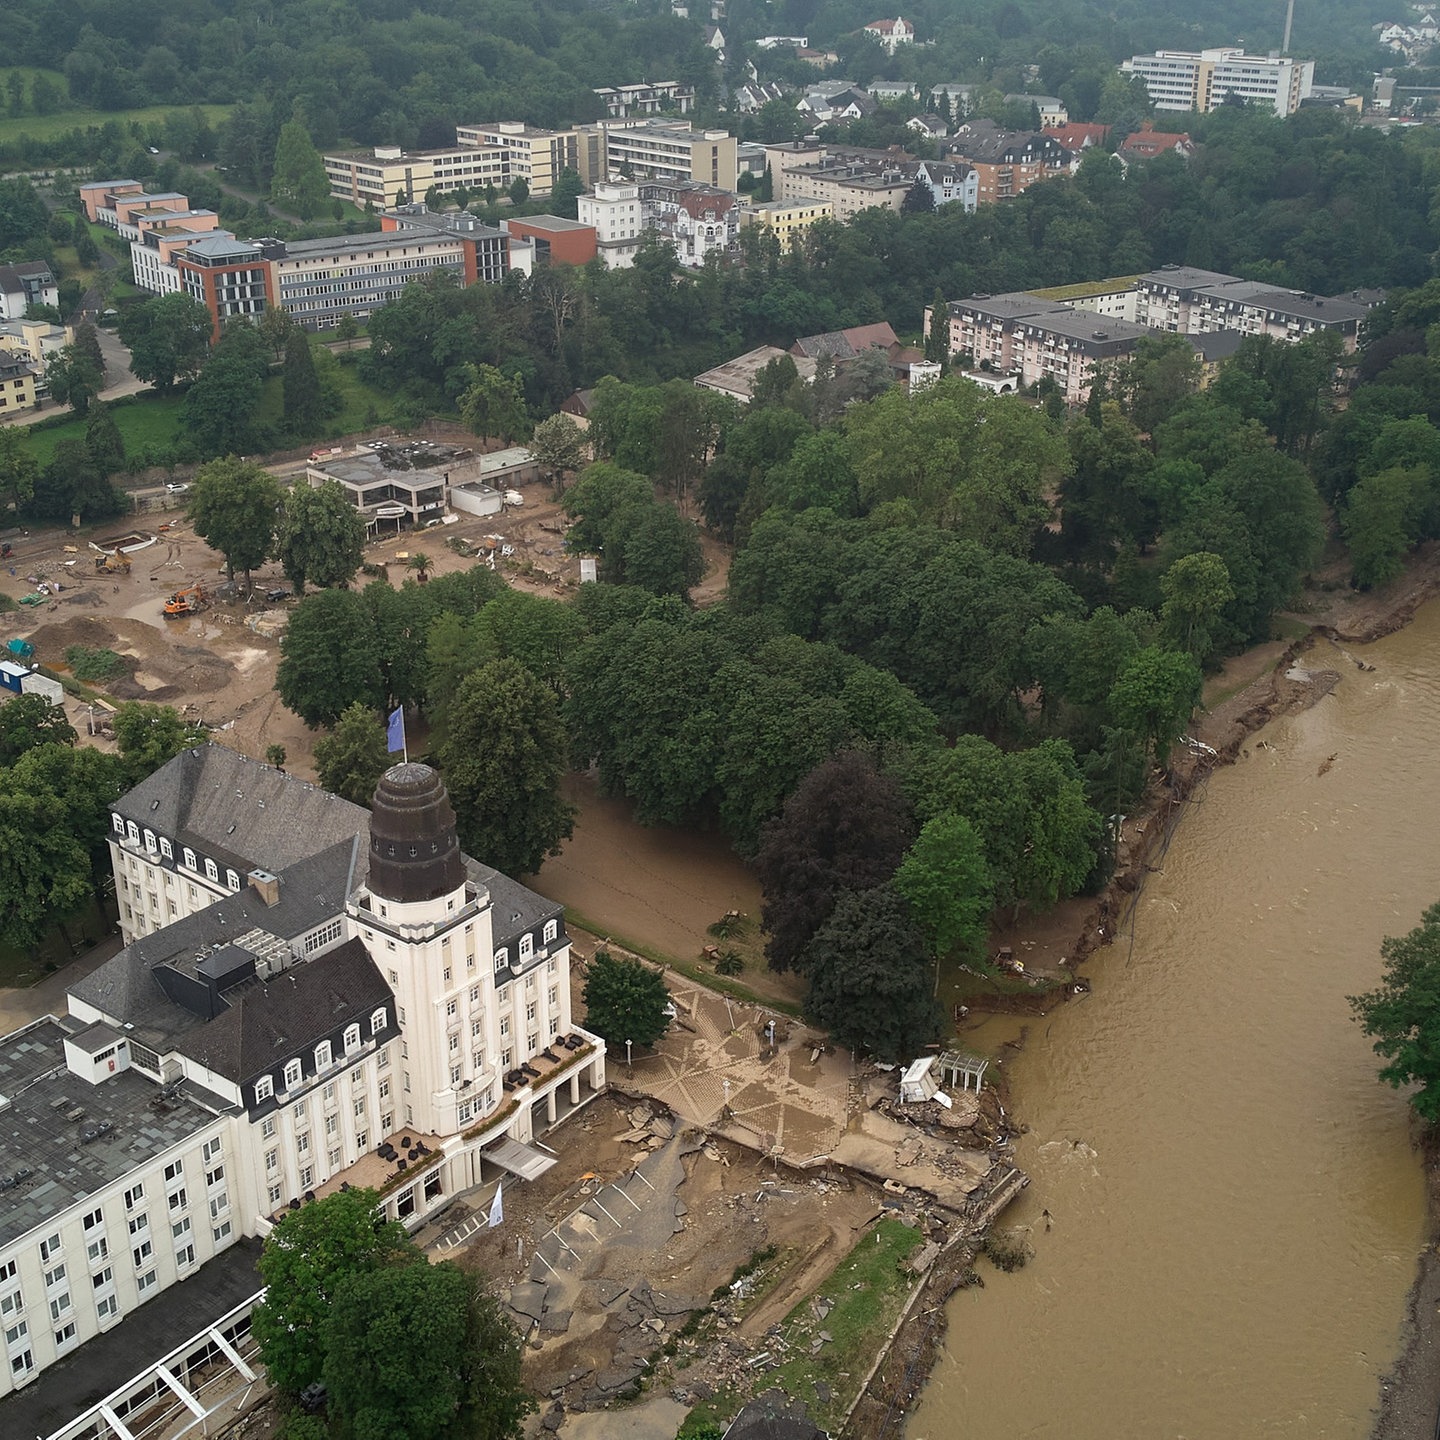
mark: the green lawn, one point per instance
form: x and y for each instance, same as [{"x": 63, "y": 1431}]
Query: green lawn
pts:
[
  {"x": 868, "y": 1289},
  {"x": 365, "y": 407},
  {"x": 153, "y": 420},
  {"x": 51, "y": 127}
]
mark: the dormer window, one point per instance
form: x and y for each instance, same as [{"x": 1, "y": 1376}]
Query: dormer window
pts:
[
  {"x": 232, "y": 879},
  {"x": 377, "y": 1021},
  {"x": 502, "y": 959},
  {"x": 133, "y": 831},
  {"x": 352, "y": 1038},
  {"x": 212, "y": 871},
  {"x": 322, "y": 1055},
  {"x": 189, "y": 858},
  {"x": 552, "y": 929},
  {"x": 294, "y": 1072},
  {"x": 527, "y": 946},
  {"x": 264, "y": 1089},
  {"x": 150, "y": 841},
  {"x": 118, "y": 824},
  {"x": 166, "y": 849}
]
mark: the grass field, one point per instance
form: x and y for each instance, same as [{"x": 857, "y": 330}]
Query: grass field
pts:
[
  {"x": 365, "y": 407},
  {"x": 50, "y": 127},
  {"x": 867, "y": 1289},
  {"x": 154, "y": 420}
]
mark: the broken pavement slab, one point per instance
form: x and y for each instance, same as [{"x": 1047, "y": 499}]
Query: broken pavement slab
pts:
[{"x": 528, "y": 1299}]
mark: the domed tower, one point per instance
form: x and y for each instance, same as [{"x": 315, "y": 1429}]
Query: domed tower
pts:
[{"x": 414, "y": 852}]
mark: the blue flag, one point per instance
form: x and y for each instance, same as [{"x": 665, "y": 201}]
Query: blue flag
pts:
[{"x": 395, "y": 730}]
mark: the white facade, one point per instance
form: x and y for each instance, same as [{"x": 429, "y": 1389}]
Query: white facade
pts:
[
  {"x": 1201, "y": 80},
  {"x": 892, "y": 33},
  {"x": 618, "y": 216}
]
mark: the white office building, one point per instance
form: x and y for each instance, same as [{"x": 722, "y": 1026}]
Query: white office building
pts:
[{"x": 1201, "y": 80}]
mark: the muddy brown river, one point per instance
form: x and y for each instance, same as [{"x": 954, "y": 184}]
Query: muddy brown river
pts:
[{"x": 1235, "y": 1207}]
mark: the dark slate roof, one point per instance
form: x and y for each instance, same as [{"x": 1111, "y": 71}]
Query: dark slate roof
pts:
[
  {"x": 241, "y": 811},
  {"x": 126, "y": 988},
  {"x": 774, "y": 1416},
  {"x": 271, "y": 1020},
  {"x": 123, "y": 1124},
  {"x": 516, "y": 908},
  {"x": 984, "y": 142}
]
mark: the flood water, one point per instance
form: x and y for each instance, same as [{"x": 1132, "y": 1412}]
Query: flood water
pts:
[{"x": 1235, "y": 1205}]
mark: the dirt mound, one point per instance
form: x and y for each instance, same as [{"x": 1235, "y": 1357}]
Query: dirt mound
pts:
[{"x": 156, "y": 669}]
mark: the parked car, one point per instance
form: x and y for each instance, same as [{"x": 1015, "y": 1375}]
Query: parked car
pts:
[
  {"x": 177, "y": 487},
  {"x": 277, "y": 594}
]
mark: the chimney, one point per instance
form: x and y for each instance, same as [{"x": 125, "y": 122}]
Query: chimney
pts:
[{"x": 266, "y": 886}]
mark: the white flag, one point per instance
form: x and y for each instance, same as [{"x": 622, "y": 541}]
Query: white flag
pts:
[{"x": 497, "y": 1206}]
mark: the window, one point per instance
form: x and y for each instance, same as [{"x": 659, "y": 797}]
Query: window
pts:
[
  {"x": 221, "y": 1232},
  {"x": 387, "y": 1122},
  {"x": 175, "y": 1170},
  {"x": 178, "y": 1200},
  {"x": 445, "y": 974},
  {"x": 454, "y": 1074},
  {"x": 329, "y": 1092},
  {"x": 450, "y": 1008},
  {"x": 93, "y": 1220},
  {"x": 553, "y": 995},
  {"x": 554, "y": 1025},
  {"x": 219, "y": 1204},
  {"x": 549, "y": 967},
  {"x": 267, "y": 1129},
  {"x": 504, "y": 1025},
  {"x": 352, "y": 1038},
  {"x": 307, "y": 1178},
  {"x": 506, "y": 1056},
  {"x": 322, "y": 1055},
  {"x": 22, "y": 1364},
  {"x": 532, "y": 1041},
  {"x": 140, "y": 1224},
  {"x": 502, "y": 959},
  {"x": 530, "y": 1011},
  {"x": 59, "y": 1304},
  {"x": 298, "y": 1111},
  {"x": 454, "y": 1043},
  {"x": 180, "y": 1229},
  {"x": 384, "y": 1089},
  {"x": 383, "y": 1062},
  {"x": 552, "y": 929},
  {"x": 477, "y": 1060},
  {"x": 54, "y": 1277},
  {"x": 359, "y": 1106},
  {"x": 474, "y": 994},
  {"x": 357, "y": 1075},
  {"x": 142, "y": 1252},
  {"x": 168, "y": 852},
  {"x": 184, "y": 1257},
  {"x": 527, "y": 946},
  {"x": 406, "y": 1075},
  {"x": 293, "y": 1074},
  {"x": 17, "y": 1333},
  {"x": 474, "y": 1029},
  {"x": 302, "y": 1144},
  {"x": 147, "y": 1281},
  {"x": 272, "y": 1161},
  {"x": 65, "y": 1336},
  {"x": 264, "y": 1089},
  {"x": 274, "y": 1194},
  {"x": 9, "y": 1270},
  {"x": 214, "y": 1177},
  {"x": 50, "y": 1248},
  {"x": 102, "y": 1278},
  {"x": 362, "y": 1140},
  {"x": 212, "y": 871}
]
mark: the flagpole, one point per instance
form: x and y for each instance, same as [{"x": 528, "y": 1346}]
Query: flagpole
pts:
[{"x": 404, "y": 745}]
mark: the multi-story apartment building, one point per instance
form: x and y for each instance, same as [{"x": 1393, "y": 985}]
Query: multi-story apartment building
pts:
[
  {"x": 787, "y": 220},
  {"x": 228, "y": 276},
  {"x": 649, "y": 97},
  {"x": 19, "y": 381},
  {"x": 98, "y": 196},
  {"x": 618, "y": 217},
  {"x": 368, "y": 1006},
  {"x": 36, "y": 341},
  {"x": 389, "y": 175},
  {"x": 1008, "y": 162},
  {"x": 1201, "y": 80},
  {"x": 655, "y": 150},
  {"x": 1190, "y": 301},
  {"x": 30, "y": 282},
  {"x": 538, "y": 157},
  {"x": 487, "y": 249}
]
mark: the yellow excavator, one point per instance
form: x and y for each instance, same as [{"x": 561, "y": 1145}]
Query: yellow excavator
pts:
[
  {"x": 188, "y": 601},
  {"x": 116, "y": 564}
]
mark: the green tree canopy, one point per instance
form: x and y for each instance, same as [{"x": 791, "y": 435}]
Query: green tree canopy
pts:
[
  {"x": 558, "y": 445},
  {"x": 625, "y": 1000},
  {"x": 220, "y": 407},
  {"x": 1154, "y": 697},
  {"x": 74, "y": 378},
  {"x": 328, "y": 659},
  {"x": 19, "y": 470},
  {"x": 321, "y": 536},
  {"x": 1403, "y": 1014},
  {"x": 503, "y": 761},
  {"x": 148, "y": 735},
  {"x": 298, "y": 181},
  {"x": 234, "y": 505},
  {"x": 352, "y": 758},
  {"x": 493, "y": 404},
  {"x": 871, "y": 985},
  {"x": 946, "y": 880},
  {"x": 30, "y": 720},
  {"x": 306, "y": 1261},
  {"x": 168, "y": 338},
  {"x": 300, "y": 386}
]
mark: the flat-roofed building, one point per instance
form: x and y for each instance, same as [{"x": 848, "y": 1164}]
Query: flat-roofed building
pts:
[
  {"x": 98, "y": 195},
  {"x": 736, "y": 378},
  {"x": 787, "y": 220},
  {"x": 555, "y": 238},
  {"x": 487, "y": 248},
  {"x": 1202, "y": 79},
  {"x": 656, "y": 150},
  {"x": 389, "y": 175},
  {"x": 19, "y": 383},
  {"x": 538, "y": 157},
  {"x": 649, "y": 97},
  {"x": 1008, "y": 162},
  {"x": 229, "y": 277}
]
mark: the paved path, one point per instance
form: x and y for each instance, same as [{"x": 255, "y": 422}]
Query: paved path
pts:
[{"x": 47, "y": 997}]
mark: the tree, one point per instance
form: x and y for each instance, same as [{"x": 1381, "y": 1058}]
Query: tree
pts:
[
  {"x": 304, "y": 403},
  {"x": 503, "y": 761},
  {"x": 661, "y": 549},
  {"x": 353, "y": 757},
  {"x": 947, "y": 883},
  {"x": 919, "y": 199},
  {"x": 625, "y": 1000},
  {"x": 565, "y": 196},
  {"x": 306, "y": 1260},
  {"x": 220, "y": 408},
  {"x": 87, "y": 342},
  {"x": 275, "y": 755},
  {"x": 277, "y": 327},
  {"x": 328, "y": 660},
  {"x": 1382, "y": 520},
  {"x": 1155, "y": 696},
  {"x": 73, "y": 378},
  {"x": 103, "y": 441},
  {"x": 519, "y": 191},
  {"x": 845, "y": 827},
  {"x": 870, "y": 983},
  {"x": 321, "y": 536},
  {"x": 558, "y": 445},
  {"x": 30, "y": 720},
  {"x": 422, "y": 1351},
  {"x": 1403, "y": 1014},
  {"x": 150, "y": 735},
  {"x": 298, "y": 182},
  {"x": 494, "y": 404},
  {"x": 1196, "y": 589},
  {"x": 603, "y": 491},
  {"x": 19, "y": 470},
  {"x": 937, "y": 338},
  {"x": 168, "y": 338},
  {"x": 45, "y": 872},
  {"x": 233, "y": 506}
]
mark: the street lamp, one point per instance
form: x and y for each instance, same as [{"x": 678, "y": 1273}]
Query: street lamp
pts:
[{"x": 629, "y": 1068}]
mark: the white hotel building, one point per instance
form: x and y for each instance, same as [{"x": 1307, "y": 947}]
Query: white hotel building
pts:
[{"x": 310, "y": 995}]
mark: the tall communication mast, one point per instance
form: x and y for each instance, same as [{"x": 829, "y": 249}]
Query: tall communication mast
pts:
[{"x": 1289, "y": 21}]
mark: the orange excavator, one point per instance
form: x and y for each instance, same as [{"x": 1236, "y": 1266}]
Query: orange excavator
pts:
[{"x": 189, "y": 601}]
